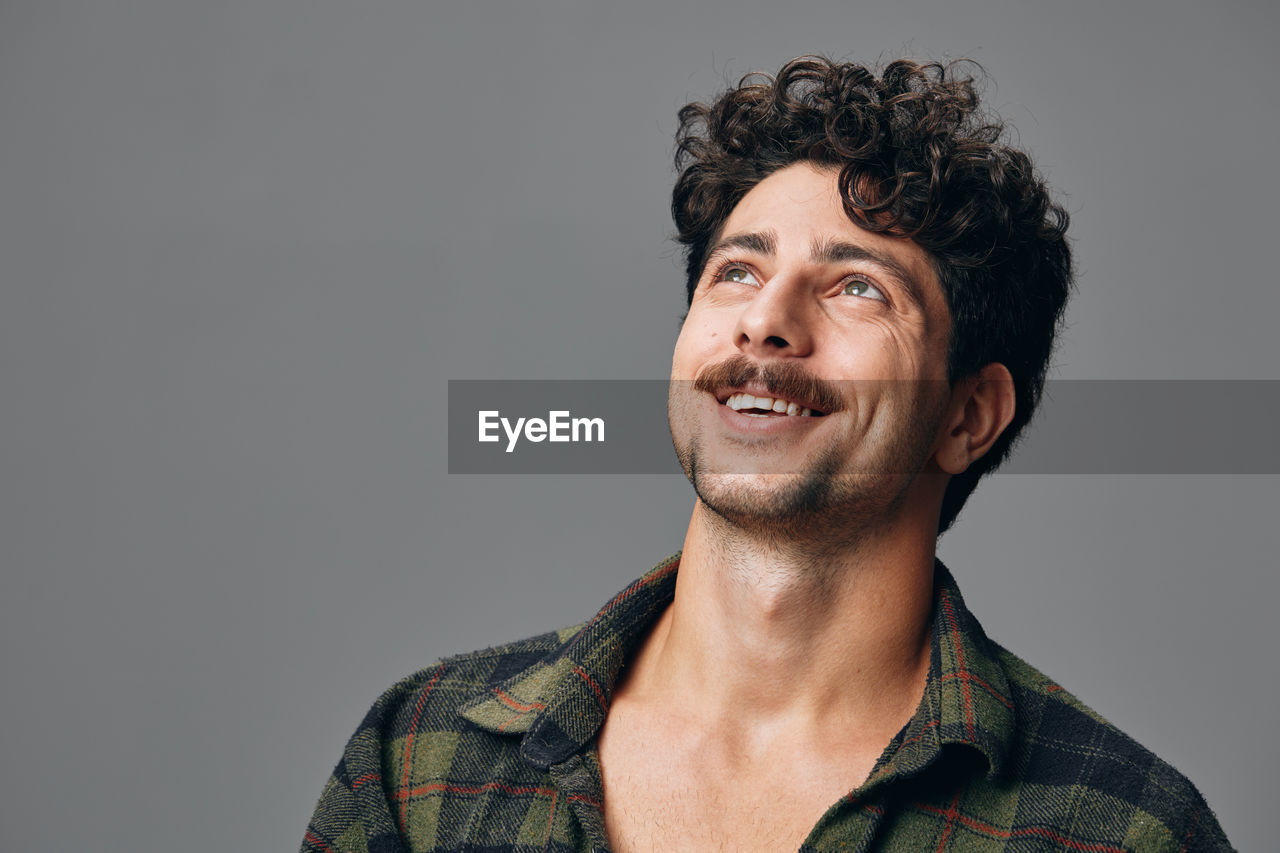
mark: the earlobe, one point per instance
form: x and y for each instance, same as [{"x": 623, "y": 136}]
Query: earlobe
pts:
[{"x": 982, "y": 407}]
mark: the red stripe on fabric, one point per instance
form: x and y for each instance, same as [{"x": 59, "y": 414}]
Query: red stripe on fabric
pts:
[
  {"x": 969, "y": 676},
  {"x": 408, "y": 741},
  {"x": 951, "y": 814},
  {"x": 604, "y": 703},
  {"x": 923, "y": 729},
  {"x": 583, "y": 798},
  {"x": 438, "y": 787},
  {"x": 636, "y": 586},
  {"x": 519, "y": 706},
  {"x": 313, "y": 839},
  {"x": 885, "y": 770},
  {"x": 363, "y": 780},
  {"x": 916, "y": 738},
  {"x": 1053, "y": 688},
  {"x": 1036, "y": 831},
  {"x": 964, "y": 682},
  {"x": 550, "y": 819}
]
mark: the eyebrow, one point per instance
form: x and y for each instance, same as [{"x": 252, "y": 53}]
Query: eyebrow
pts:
[
  {"x": 832, "y": 251},
  {"x": 762, "y": 242},
  {"x": 824, "y": 251}
]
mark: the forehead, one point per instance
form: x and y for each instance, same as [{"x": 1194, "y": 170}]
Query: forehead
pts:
[{"x": 801, "y": 204}]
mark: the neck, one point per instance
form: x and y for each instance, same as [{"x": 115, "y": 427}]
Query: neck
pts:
[{"x": 764, "y": 630}]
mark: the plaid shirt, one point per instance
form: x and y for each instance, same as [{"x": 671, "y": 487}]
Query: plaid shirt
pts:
[{"x": 495, "y": 751}]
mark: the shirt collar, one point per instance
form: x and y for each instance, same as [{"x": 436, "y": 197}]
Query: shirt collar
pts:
[
  {"x": 559, "y": 703},
  {"x": 967, "y": 703}
]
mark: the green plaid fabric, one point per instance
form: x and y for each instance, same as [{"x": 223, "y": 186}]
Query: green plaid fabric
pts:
[{"x": 494, "y": 751}]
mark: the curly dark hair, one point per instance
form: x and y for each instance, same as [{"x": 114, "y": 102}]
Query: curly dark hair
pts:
[{"x": 918, "y": 158}]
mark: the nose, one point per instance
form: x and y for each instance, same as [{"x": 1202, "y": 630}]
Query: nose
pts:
[{"x": 776, "y": 322}]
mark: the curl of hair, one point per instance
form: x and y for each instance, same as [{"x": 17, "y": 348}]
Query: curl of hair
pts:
[{"x": 918, "y": 157}]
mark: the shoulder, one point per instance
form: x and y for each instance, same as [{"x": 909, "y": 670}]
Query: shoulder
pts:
[
  {"x": 1066, "y": 756},
  {"x": 430, "y": 697},
  {"x": 412, "y": 732}
]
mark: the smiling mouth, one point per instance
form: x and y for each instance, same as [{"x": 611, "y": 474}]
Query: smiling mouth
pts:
[{"x": 764, "y": 407}]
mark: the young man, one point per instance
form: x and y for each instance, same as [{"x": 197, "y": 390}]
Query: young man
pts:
[{"x": 875, "y": 281}]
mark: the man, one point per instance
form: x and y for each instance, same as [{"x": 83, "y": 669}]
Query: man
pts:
[{"x": 875, "y": 281}]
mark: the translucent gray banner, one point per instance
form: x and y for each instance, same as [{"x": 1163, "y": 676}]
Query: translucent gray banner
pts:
[{"x": 1082, "y": 427}]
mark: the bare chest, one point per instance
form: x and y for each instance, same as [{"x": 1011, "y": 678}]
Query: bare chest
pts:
[{"x": 675, "y": 793}]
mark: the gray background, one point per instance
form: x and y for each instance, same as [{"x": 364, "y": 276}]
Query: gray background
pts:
[{"x": 245, "y": 245}]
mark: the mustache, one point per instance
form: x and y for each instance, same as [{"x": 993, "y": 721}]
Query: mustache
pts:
[{"x": 783, "y": 379}]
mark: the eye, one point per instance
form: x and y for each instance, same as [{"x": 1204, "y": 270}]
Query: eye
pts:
[
  {"x": 738, "y": 274},
  {"x": 862, "y": 287}
]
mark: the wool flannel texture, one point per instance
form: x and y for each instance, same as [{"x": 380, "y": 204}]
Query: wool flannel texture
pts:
[{"x": 494, "y": 751}]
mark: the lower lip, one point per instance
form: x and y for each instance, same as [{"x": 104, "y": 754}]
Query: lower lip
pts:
[{"x": 765, "y": 424}]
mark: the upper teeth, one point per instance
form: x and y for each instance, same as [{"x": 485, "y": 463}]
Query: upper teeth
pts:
[{"x": 739, "y": 402}]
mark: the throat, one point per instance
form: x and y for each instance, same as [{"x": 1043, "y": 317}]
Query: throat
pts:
[{"x": 773, "y": 630}]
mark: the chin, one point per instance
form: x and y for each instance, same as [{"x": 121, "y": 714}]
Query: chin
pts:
[
  {"x": 786, "y": 503},
  {"x": 825, "y": 495}
]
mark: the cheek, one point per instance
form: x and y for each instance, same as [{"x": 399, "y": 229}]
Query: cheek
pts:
[
  {"x": 698, "y": 345},
  {"x": 873, "y": 351},
  {"x": 903, "y": 352}
]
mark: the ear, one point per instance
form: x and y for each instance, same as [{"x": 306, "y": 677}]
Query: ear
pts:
[{"x": 981, "y": 407}]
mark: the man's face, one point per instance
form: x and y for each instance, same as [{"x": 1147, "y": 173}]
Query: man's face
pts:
[{"x": 798, "y": 303}]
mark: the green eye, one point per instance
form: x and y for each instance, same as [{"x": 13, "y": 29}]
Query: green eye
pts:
[
  {"x": 858, "y": 287},
  {"x": 738, "y": 275}
]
